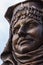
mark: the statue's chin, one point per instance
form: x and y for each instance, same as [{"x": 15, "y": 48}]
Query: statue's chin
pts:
[
  {"x": 23, "y": 58},
  {"x": 26, "y": 47}
]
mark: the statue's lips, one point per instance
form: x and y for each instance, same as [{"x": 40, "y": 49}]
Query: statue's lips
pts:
[
  {"x": 25, "y": 45},
  {"x": 25, "y": 41}
]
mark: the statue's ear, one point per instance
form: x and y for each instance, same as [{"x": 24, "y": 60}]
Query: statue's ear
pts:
[{"x": 9, "y": 13}]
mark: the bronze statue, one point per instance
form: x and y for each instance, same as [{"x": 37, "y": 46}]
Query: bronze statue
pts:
[{"x": 25, "y": 44}]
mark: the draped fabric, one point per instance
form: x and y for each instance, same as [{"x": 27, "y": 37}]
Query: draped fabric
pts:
[{"x": 36, "y": 56}]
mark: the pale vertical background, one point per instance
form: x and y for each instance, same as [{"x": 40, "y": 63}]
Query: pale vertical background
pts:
[{"x": 4, "y": 25}]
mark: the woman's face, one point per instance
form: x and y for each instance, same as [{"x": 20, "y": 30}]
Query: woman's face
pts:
[{"x": 27, "y": 36}]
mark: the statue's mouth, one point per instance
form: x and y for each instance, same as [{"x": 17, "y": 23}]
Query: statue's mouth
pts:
[
  {"x": 23, "y": 41},
  {"x": 24, "y": 45}
]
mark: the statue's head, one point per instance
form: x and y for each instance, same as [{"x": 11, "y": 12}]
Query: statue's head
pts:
[{"x": 26, "y": 29}]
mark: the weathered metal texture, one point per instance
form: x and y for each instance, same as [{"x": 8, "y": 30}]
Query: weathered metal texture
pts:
[{"x": 25, "y": 44}]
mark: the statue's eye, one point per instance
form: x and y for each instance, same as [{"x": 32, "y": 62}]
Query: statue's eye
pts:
[
  {"x": 16, "y": 29},
  {"x": 30, "y": 25}
]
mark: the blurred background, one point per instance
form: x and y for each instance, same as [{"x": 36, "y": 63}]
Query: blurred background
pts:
[{"x": 4, "y": 25}]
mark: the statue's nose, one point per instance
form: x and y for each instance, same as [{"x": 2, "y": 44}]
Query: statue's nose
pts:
[{"x": 21, "y": 32}]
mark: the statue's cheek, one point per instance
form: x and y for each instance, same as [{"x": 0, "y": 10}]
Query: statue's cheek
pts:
[
  {"x": 35, "y": 32},
  {"x": 14, "y": 40}
]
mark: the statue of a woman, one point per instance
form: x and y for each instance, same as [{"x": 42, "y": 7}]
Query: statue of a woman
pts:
[{"x": 25, "y": 44}]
